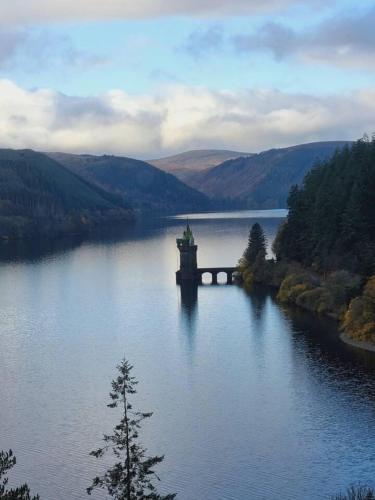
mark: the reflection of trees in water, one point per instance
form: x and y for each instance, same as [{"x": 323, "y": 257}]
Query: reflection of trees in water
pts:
[
  {"x": 189, "y": 301},
  {"x": 257, "y": 300},
  {"x": 317, "y": 346},
  {"x": 38, "y": 248}
]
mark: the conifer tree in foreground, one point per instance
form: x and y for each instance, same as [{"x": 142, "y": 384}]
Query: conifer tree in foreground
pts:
[
  {"x": 7, "y": 462},
  {"x": 131, "y": 476},
  {"x": 356, "y": 493},
  {"x": 256, "y": 248}
]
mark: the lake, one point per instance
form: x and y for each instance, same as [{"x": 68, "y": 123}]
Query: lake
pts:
[{"x": 251, "y": 400}]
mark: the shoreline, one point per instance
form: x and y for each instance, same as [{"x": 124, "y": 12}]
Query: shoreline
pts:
[
  {"x": 366, "y": 346},
  {"x": 363, "y": 345}
]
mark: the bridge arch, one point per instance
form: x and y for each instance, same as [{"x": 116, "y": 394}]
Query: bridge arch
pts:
[
  {"x": 218, "y": 275},
  {"x": 206, "y": 278},
  {"x": 222, "y": 277}
]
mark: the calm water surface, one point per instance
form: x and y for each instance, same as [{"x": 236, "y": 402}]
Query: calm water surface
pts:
[{"x": 250, "y": 400}]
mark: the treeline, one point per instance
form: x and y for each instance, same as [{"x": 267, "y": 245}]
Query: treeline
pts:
[
  {"x": 38, "y": 196},
  {"x": 331, "y": 220},
  {"x": 325, "y": 251},
  {"x": 142, "y": 185}
]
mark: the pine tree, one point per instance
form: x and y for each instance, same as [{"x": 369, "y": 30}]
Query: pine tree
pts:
[
  {"x": 7, "y": 462},
  {"x": 331, "y": 219},
  {"x": 130, "y": 478},
  {"x": 256, "y": 248}
]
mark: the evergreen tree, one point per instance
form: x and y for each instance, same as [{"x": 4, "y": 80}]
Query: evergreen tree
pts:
[
  {"x": 256, "y": 248},
  {"x": 356, "y": 493},
  {"x": 331, "y": 219},
  {"x": 130, "y": 478},
  {"x": 7, "y": 462}
]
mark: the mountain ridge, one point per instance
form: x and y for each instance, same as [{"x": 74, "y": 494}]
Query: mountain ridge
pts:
[
  {"x": 184, "y": 165},
  {"x": 263, "y": 180},
  {"x": 142, "y": 185},
  {"x": 38, "y": 196}
]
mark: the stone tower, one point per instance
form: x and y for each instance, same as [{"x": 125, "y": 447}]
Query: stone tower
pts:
[{"x": 188, "y": 257}]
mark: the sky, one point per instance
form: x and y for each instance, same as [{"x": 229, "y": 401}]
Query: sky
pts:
[{"x": 149, "y": 78}]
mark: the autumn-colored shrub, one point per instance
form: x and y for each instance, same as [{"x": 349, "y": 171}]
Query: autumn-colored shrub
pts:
[
  {"x": 369, "y": 290},
  {"x": 359, "y": 320},
  {"x": 294, "y": 285},
  {"x": 248, "y": 278}
]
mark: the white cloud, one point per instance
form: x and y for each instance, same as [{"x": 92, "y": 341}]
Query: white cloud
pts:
[
  {"x": 33, "y": 50},
  {"x": 177, "y": 119},
  {"x": 346, "y": 41},
  {"x": 29, "y": 11}
]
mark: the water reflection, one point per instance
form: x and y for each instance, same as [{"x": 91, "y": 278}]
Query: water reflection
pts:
[
  {"x": 188, "y": 305},
  {"x": 235, "y": 215},
  {"x": 251, "y": 399},
  {"x": 37, "y": 249},
  {"x": 257, "y": 301},
  {"x": 320, "y": 337}
]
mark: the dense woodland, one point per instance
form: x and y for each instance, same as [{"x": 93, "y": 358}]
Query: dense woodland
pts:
[
  {"x": 325, "y": 251},
  {"x": 331, "y": 221},
  {"x": 38, "y": 196},
  {"x": 59, "y": 194},
  {"x": 56, "y": 194},
  {"x": 140, "y": 184}
]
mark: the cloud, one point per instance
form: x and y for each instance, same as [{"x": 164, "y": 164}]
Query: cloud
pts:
[
  {"x": 346, "y": 41},
  {"x": 30, "y": 11},
  {"x": 11, "y": 40},
  {"x": 177, "y": 119},
  {"x": 201, "y": 42},
  {"x": 35, "y": 50}
]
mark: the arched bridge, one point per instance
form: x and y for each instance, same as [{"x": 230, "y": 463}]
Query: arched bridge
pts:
[
  {"x": 189, "y": 271},
  {"x": 214, "y": 271}
]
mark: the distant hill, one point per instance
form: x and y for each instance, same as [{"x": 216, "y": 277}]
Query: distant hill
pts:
[
  {"x": 142, "y": 185},
  {"x": 58, "y": 193},
  {"x": 40, "y": 196},
  {"x": 263, "y": 180},
  {"x": 185, "y": 165}
]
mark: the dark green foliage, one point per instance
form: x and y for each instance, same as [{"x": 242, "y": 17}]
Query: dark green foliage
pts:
[
  {"x": 7, "y": 462},
  {"x": 331, "y": 221},
  {"x": 144, "y": 186},
  {"x": 40, "y": 196},
  {"x": 130, "y": 478},
  {"x": 256, "y": 248},
  {"x": 356, "y": 493}
]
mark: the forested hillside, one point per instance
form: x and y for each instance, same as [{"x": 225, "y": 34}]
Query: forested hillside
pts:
[
  {"x": 331, "y": 221},
  {"x": 326, "y": 248},
  {"x": 142, "y": 185},
  {"x": 262, "y": 180},
  {"x": 40, "y": 196}
]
